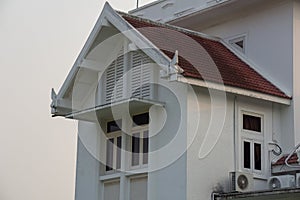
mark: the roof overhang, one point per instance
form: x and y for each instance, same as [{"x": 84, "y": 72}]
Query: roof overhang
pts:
[
  {"x": 216, "y": 12},
  {"x": 235, "y": 90},
  {"x": 111, "y": 110},
  {"x": 289, "y": 193}
]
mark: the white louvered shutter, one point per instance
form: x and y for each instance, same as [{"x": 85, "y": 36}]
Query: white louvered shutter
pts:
[
  {"x": 114, "y": 79},
  {"x": 140, "y": 75}
]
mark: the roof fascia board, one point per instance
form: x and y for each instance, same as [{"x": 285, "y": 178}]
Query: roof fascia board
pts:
[
  {"x": 235, "y": 90},
  {"x": 199, "y": 10},
  {"x": 255, "y": 67},
  {"x": 146, "y": 6}
]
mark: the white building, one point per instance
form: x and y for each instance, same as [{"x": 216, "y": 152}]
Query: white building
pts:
[{"x": 204, "y": 108}]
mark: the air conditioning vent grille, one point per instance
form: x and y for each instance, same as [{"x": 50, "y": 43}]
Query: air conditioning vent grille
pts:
[{"x": 241, "y": 182}]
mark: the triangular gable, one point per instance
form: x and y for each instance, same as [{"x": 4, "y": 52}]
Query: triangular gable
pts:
[{"x": 85, "y": 64}]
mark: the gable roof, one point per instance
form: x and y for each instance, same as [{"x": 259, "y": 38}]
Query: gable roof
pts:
[
  {"x": 216, "y": 62},
  {"x": 233, "y": 70}
]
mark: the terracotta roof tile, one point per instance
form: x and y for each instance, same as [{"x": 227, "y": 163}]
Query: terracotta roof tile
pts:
[
  {"x": 293, "y": 160},
  {"x": 208, "y": 57}
]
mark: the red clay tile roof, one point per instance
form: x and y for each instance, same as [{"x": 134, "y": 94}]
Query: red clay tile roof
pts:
[
  {"x": 208, "y": 56},
  {"x": 293, "y": 160}
]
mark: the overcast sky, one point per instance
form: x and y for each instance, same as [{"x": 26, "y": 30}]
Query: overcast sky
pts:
[{"x": 39, "y": 41}]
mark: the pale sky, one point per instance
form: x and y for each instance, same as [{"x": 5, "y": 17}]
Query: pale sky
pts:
[{"x": 39, "y": 41}]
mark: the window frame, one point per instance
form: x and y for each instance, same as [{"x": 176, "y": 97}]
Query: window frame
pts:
[
  {"x": 234, "y": 39},
  {"x": 252, "y": 156},
  {"x": 140, "y": 130},
  {"x": 113, "y": 135},
  {"x": 253, "y": 137}
]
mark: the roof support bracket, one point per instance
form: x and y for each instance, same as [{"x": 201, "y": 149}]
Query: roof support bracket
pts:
[{"x": 173, "y": 69}]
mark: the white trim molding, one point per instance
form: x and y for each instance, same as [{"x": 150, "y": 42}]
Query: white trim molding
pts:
[{"x": 235, "y": 90}]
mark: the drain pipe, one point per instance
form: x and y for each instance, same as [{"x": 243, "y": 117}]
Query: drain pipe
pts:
[{"x": 234, "y": 133}]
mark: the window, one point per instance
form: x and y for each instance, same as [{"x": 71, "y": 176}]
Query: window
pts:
[
  {"x": 138, "y": 188},
  {"x": 111, "y": 190},
  {"x": 113, "y": 146},
  {"x": 251, "y": 123},
  {"x": 252, "y": 138},
  {"x": 252, "y": 155},
  {"x": 140, "y": 141},
  {"x": 114, "y": 126},
  {"x": 141, "y": 74},
  {"x": 239, "y": 43},
  {"x": 114, "y": 79}
]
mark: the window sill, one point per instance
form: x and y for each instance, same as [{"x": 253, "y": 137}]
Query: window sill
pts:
[
  {"x": 110, "y": 176},
  {"x": 136, "y": 171}
]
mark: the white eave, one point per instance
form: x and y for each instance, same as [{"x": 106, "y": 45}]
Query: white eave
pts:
[
  {"x": 105, "y": 110},
  {"x": 235, "y": 90}
]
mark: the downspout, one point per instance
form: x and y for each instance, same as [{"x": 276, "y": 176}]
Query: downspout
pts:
[{"x": 234, "y": 133}]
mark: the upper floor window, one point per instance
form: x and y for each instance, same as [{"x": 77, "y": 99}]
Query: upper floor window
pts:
[
  {"x": 114, "y": 79},
  {"x": 252, "y": 140},
  {"x": 137, "y": 142},
  {"x": 140, "y": 140},
  {"x": 251, "y": 123},
  {"x": 113, "y": 146},
  {"x": 136, "y": 81},
  {"x": 239, "y": 43},
  {"x": 140, "y": 74}
]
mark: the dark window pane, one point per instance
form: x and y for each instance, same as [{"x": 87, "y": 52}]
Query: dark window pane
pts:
[
  {"x": 114, "y": 126},
  {"x": 252, "y": 123},
  {"x": 109, "y": 154},
  {"x": 257, "y": 156},
  {"x": 141, "y": 119},
  {"x": 119, "y": 145},
  {"x": 145, "y": 147},
  {"x": 240, "y": 43},
  {"x": 247, "y": 158},
  {"x": 135, "y": 147}
]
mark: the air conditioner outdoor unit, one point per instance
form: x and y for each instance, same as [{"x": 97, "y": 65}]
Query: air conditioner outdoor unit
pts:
[
  {"x": 279, "y": 182},
  {"x": 241, "y": 182},
  {"x": 298, "y": 180}
]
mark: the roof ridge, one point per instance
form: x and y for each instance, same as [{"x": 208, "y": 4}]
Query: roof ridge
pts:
[{"x": 177, "y": 28}]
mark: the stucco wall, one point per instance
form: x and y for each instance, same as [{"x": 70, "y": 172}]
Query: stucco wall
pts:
[
  {"x": 296, "y": 60},
  {"x": 211, "y": 173},
  {"x": 87, "y": 169},
  {"x": 269, "y": 46},
  {"x": 204, "y": 174},
  {"x": 167, "y": 159}
]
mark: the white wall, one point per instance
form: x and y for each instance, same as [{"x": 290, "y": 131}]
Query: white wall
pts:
[
  {"x": 203, "y": 175},
  {"x": 207, "y": 174},
  {"x": 269, "y": 41},
  {"x": 166, "y": 10},
  {"x": 269, "y": 46},
  {"x": 87, "y": 169},
  {"x": 296, "y": 60},
  {"x": 167, "y": 159}
]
